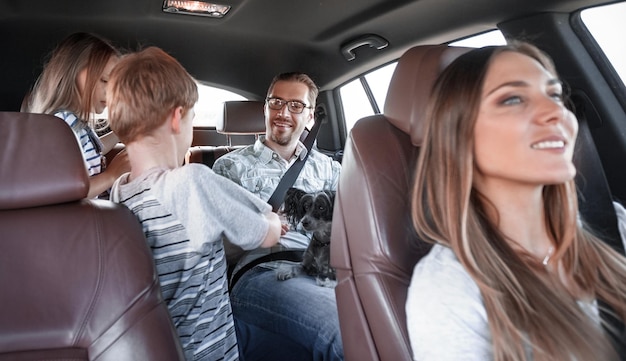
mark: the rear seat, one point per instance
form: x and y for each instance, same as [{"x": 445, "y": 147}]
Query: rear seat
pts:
[{"x": 240, "y": 118}]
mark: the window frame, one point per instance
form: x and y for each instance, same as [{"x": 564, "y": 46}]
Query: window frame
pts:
[{"x": 599, "y": 57}]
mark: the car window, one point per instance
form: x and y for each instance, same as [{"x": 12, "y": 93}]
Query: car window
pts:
[
  {"x": 606, "y": 24},
  {"x": 493, "y": 37},
  {"x": 357, "y": 103},
  {"x": 354, "y": 98},
  {"x": 209, "y": 109},
  {"x": 210, "y": 106}
]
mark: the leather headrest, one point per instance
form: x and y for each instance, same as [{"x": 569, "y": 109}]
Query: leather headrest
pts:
[
  {"x": 411, "y": 84},
  {"x": 40, "y": 161},
  {"x": 242, "y": 117}
]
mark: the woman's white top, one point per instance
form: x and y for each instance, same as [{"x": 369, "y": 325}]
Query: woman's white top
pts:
[{"x": 446, "y": 317}]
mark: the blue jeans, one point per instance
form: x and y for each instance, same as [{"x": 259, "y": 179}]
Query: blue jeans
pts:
[{"x": 285, "y": 320}]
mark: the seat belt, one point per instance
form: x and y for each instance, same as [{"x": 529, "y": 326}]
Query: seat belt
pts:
[
  {"x": 276, "y": 200},
  {"x": 293, "y": 255}
]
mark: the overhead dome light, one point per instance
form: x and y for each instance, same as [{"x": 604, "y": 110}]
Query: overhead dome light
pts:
[{"x": 199, "y": 8}]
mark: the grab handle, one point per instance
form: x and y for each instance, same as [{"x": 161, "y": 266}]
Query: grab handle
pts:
[{"x": 373, "y": 41}]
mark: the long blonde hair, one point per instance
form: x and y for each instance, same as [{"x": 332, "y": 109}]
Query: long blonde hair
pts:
[
  {"x": 57, "y": 87},
  {"x": 526, "y": 305}
]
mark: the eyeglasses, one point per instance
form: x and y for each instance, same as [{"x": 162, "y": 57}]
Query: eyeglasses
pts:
[{"x": 293, "y": 106}]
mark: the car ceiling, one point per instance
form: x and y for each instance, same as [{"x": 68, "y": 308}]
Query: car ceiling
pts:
[{"x": 255, "y": 40}]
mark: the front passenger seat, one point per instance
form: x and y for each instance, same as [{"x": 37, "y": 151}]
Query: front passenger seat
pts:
[
  {"x": 77, "y": 278},
  {"x": 374, "y": 247}
]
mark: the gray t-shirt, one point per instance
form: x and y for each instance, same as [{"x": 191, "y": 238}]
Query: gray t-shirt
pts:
[{"x": 186, "y": 213}]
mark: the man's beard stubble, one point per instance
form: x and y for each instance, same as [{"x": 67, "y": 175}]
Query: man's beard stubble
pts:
[{"x": 280, "y": 140}]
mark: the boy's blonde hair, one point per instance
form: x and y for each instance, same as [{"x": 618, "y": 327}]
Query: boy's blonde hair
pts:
[{"x": 144, "y": 88}]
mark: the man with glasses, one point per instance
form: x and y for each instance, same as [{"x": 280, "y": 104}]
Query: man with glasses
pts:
[{"x": 294, "y": 319}]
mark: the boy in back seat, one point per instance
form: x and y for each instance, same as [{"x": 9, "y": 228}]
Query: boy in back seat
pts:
[{"x": 185, "y": 211}]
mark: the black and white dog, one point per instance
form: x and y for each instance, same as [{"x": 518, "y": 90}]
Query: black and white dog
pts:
[{"x": 314, "y": 211}]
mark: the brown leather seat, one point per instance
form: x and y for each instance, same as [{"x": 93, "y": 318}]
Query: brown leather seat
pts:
[
  {"x": 77, "y": 278},
  {"x": 241, "y": 118},
  {"x": 374, "y": 247}
]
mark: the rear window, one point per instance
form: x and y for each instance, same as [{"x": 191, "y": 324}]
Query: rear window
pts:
[{"x": 210, "y": 106}]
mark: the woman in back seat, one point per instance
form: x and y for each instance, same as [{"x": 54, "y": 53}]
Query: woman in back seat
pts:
[
  {"x": 72, "y": 86},
  {"x": 513, "y": 274}
]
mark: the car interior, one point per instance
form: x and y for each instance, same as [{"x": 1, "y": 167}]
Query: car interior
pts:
[{"x": 238, "y": 46}]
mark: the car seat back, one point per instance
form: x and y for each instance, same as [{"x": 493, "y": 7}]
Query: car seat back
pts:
[
  {"x": 374, "y": 247},
  {"x": 243, "y": 117},
  {"x": 77, "y": 276}
]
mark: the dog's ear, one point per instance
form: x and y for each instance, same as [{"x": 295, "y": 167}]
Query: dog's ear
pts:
[
  {"x": 291, "y": 207},
  {"x": 300, "y": 211},
  {"x": 291, "y": 192}
]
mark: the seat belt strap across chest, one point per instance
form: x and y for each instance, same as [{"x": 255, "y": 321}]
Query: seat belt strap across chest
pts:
[{"x": 290, "y": 176}]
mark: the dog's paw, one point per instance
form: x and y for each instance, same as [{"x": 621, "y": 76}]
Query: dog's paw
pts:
[
  {"x": 325, "y": 282},
  {"x": 285, "y": 273}
]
